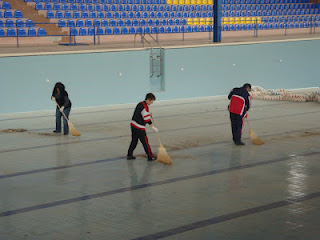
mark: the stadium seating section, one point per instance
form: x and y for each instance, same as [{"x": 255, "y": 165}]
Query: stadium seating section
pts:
[
  {"x": 113, "y": 17},
  {"x": 13, "y": 24}
]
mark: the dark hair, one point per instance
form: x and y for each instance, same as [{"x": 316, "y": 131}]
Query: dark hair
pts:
[
  {"x": 247, "y": 85},
  {"x": 60, "y": 86},
  {"x": 150, "y": 96}
]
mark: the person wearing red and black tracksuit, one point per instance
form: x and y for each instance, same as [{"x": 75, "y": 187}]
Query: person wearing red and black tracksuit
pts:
[
  {"x": 140, "y": 118},
  {"x": 240, "y": 101}
]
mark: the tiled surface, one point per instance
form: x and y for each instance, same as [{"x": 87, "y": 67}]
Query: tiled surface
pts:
[{"x": 64, "y": 187}]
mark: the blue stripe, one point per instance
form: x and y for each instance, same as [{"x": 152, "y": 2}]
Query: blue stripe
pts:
[
  {"x": 128, "y": 189},
  {"x": 228, "y": 217}
]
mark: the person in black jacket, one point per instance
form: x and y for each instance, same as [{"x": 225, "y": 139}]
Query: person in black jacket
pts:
[
  {"x": 240, "y": 101},
  {"x": 60, "y": 96},
  {"x": 140, "y": 118}
]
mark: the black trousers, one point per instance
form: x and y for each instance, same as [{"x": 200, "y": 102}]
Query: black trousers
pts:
[
  {"x": 138, "y": 134},
  {"x": 236, "y": 126}
]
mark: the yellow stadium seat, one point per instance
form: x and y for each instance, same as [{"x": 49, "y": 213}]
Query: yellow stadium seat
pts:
[
  {"x": 248, "y": 20},
  {"x": 181, "y": 2},
  {"x": 222, "y": 20},
  {"x": 243, "y": 20},
  {"x": 231, "y": 20},
  {"x": 204, "y": 2},
  {"x": 196, "y": 21},
  {"x": 199, "y": 2},
  {"x": 209, "y": 21},
  {"x": 189, "y": 21},
  {"x": 169, "y": 1},
  {"x": 175, "y": 1},
  {"x": 187, "y": 2},
  {"x": 202, "y": 21},
  {"x": 253, "y": 20},
  {"x": 259, "y": 20},
  {"x": 237, "y": 20},
  {"x": 226, "y": 21},
  {"x": 193, "y": 2},
  {"x": 210, "y": 2}
]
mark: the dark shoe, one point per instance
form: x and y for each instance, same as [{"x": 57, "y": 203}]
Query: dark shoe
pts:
[
  {"x": 55, "y": 131},
  {"x": 131, "y": 157},
  {"x": 240, "y": 143},
  {"x": 66, "y": 134},
  {"x": 152, "y": 159}
]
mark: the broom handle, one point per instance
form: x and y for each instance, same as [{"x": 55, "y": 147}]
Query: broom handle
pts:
[
  {"x": 62, "y": 111},
  {"x": 248, "y": 124},
  {"x": 157, "y": 132}
]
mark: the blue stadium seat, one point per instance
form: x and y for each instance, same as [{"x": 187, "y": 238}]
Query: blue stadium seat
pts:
[
  {"x": 120, "y": 22},
  {"x": 62, "y": 23},
  {"x": 100, "y": 14},
  {"x": 82, "y": 7},
  {"x": 116, "y": 31},
  {"x": 70, "y": 23},
  {"x": 65, "y": 7},
  {"x": 32, "y": 32},
  {"x": 156, "y": 22},
  {"x": 123, "y": 15},
  {"x": 11, "y": 32},
  {"x": 84, "y": 15},
  {"x": 89, "y": 7},
  {"x": 19, "y": 23},
  {"x": 73, "y": 7},
  {"x": 91, "y": 31},
  {"x": 8, "y": 14},
  {"x": 112, "y": 23},
  {"x": 108, "y": 15},
  {"x": 170, "y": 21},
  {"x": 76, "y": 14},
  {"x": 9, "y": 23},
  {"x": 168, "y": 29},
  {"x": 39, "y": 6},
  {"x": 96, "y": 23},
  {"x": 6, "y": 5},
  {"x": 132, "y": 30},
  {"x": 112, "y": 7},
  {"x": 175, "y": 29},
  {"x": 104, "y": 23},
  {"x": 188, "y": 28},
  {"x": 92, "y": 15},
  {"x": 100, "y": 31},
  {"x": 73, "y": 32},
  {"x": 106, "y": 7},
  {"x": 135, "y": 22},
  {"x": 98, "y": 8},
  {"x": 1, "y": 23},
  {"x": 154, "y": 30},
  {"x": 163, "y": 21},
  {"x": 139, "y": 30},
  {"x": 127, "y": 22},
  {"x": 21, "y": 32},
  {"x": 225, "y": 27},
  {"x": 59, "y": 14},
  {"x": 201, "y": 28},
  {"x": 144, "y": 15},
  {"x": 79, "y": 23},
  {"x": 67, "y": 14},
  {"x": 18, "y": 14},
  {"x": 142, "y": 22},
  {"x": 29, "y": 23},
  {"x": 124, "y": 30},
  {"x": 161, "y": 29},
  {"x": 82, "y": 31},
  {"x": 182, "y": 29},
  {"x": 146, "y": 30}
]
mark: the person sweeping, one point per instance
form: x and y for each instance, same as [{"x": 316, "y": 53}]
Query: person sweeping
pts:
[
  {"x": 60, "y": 96},
  {"x": 240, "y": 101},
  {"x": 140, "y": 118}
]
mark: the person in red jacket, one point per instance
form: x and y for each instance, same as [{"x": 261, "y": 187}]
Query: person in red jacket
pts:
[
  {"x": 240, "y": 101},
  {"x": 140, "y": 118}
]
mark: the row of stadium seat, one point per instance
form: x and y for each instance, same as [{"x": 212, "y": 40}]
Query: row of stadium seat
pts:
[
  {"x": 21, "y": 32},
  {"x": 120, "y": 7},
  {"x": 149, "y": 7},
  {"x": 270, "y": 19},
  {"x": 10, "y": 14},
  {"x": 269, "y": 13},
  {"x": 17, "y": 23},
  {"x": 173, "y": 1},
  {"x": 67, "y": 14}
]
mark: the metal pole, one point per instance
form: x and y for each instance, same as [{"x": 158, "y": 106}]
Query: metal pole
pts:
[
  {"x": 217, "y": 21},
  {"x": 94, "y": 35}
]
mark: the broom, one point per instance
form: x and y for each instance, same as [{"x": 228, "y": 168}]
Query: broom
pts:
[
  {"x": 73, "y": 130},
  {"x": 253, "y": 136},
  {"x": 162, "y": 156}
]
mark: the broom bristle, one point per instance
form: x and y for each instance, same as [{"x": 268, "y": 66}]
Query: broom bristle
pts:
[
  {"x": 255, "y": 139},
  {"x": 73, "y": 130},
  {"x": 163, "y": 156}
]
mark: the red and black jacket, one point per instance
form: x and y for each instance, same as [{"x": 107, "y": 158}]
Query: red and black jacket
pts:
[
  {"x": 141, "y": 116},
  {"x": 240, "y": 101}
]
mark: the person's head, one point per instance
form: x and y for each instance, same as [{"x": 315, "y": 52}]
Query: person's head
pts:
[
  {"x": 59, "y": 87},
  {"x": 150, "y": 98},
  {"x": 247, "y": 86}
]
